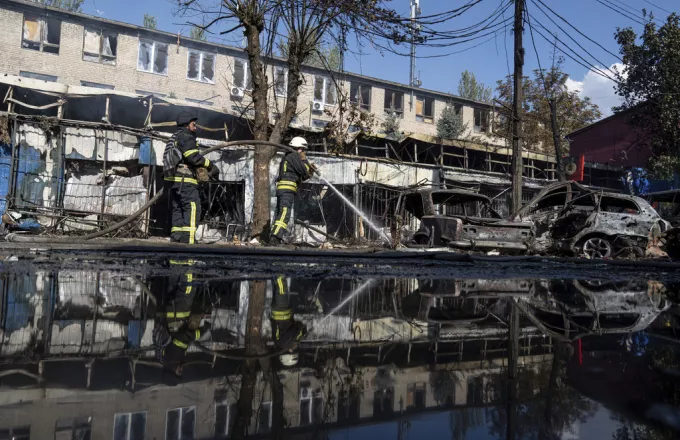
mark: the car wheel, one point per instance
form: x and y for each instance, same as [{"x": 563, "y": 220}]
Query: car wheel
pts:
[{"x": 596, "y": 248}]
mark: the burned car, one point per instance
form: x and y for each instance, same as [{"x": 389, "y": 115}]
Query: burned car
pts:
[
  {"x": 571, "y": 218},
  {"x": 461, "y": 220},
  {"x": 667, "y": 204}
]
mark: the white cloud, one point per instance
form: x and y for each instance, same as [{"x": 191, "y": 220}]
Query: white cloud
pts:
[{"x": 600, "y": 90}]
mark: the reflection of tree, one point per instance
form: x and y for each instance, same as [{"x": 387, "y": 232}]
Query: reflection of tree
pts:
[
  {"x": 463, "y": 420},
  {"x": 443, "y": 385}
]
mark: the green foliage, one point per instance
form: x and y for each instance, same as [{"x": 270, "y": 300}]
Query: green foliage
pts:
[
  {"x": 391, "y": 125},
  {"x": 197, "y": 33},
  {"x": 450, "y": 125},
  {"x": 149, "y": 21},
  {"x": 68, "y": 5},
  {"x": 324, "y": 56},
  {"x": 651, "y": 83},
  {"x": 469, "y": 88},
  {"x": 573, "y": 112}
]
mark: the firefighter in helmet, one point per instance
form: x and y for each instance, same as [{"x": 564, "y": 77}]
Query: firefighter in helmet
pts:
[
  {"x": 181, "y": 163},
  {"x": 293, "y": 170},
  {"x": 286, "y": 331}
]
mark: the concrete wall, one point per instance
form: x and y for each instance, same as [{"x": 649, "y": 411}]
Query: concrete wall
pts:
[{"x": 70, "y": 68}]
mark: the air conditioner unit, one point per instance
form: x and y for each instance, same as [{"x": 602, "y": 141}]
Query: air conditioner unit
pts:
[
  {"x": 237, "y": 92},
  {"x": 317, "y": 106}
]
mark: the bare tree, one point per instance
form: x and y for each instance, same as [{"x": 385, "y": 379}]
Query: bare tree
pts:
[{"x": 305, "y": 24}]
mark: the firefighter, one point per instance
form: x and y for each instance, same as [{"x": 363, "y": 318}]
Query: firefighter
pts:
[
  {"x": 286, "y": 331},
  {"x": 181, "y": 162},
  {"x": 293, "y": 170},
  {"x": 179, "y": 319}
]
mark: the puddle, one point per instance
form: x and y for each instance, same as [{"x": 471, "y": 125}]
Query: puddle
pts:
[{"x": 442, "y": 352}]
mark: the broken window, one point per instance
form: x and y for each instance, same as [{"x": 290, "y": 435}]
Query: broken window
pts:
[
  {"x": 324, "y": 90},
  {"x": 394, "y": 102},
  {"x": 96, "y": 85},
  {"x": 224, "y": 419},
  {"x": 242, "y": 79},
  {"x": 481, "y": 120},
  {"x": 79, "y": 428},
  {"x": 360, "y": 94},
  {"x": 41, "y": 33},
  {"x": 280, "y": 81},
  {"x": 180, "y": 423},
  {"x": 39, "y": 76},
  {"x": 424, "y": 109},
  {"x": 621, "y": 206},
  {"x": 199, "y": 101},
  {"x": 129, "y": 426},
  {"x": 264, "y": 417},
  {"x": 100, "y": 46},
  {"x": 17, "y": 433},
  {"x": 415, "y": 396},
  {"x": 153, "y": 57},
  {"x": 201, "y": 67}
]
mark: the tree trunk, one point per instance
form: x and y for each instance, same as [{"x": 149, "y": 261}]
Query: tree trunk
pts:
[
  {"x": 263, "y": 154},
  {"x": 292, "y": 96},
  {"x": 556, "y": 140}
]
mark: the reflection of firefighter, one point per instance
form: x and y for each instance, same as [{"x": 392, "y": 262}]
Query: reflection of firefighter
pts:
[
  {"x": 181, "y": 163},
  {"x": 286, "y": 331},
  {"x": 293, "y": 170},
  {"x": 180, "y": 320}
]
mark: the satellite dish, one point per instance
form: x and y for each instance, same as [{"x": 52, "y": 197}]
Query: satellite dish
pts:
[{"x": 570, "y": 168}]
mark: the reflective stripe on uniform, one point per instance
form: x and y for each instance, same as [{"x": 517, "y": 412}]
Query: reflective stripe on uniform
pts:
[
  {"x": 180, "y": 344},
  {"x": 281, "y": 315},
  {"x": 280, "y": 223},
  {"x": 285, "y": 166},
  {"x": 183, "y": 262},
  {"x": 190, "y": 152},
  {"x": 178, "y": 314},
  {"x": 190, "y": 278},
  {"x": 192, "y": 223},
  {"x": 287, "y": 184},
  {"x": 206, "y": 163},
  {"x": 279, "y": 281},
  {"x": 181, "y": 180},
  {"x": 198, "y": 334},
  {"x": 182, "y": 229}
]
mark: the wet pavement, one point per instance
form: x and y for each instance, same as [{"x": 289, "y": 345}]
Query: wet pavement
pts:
[{"x": 125, "y": 347}]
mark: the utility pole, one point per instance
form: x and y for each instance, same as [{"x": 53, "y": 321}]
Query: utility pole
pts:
[
  {"x": 413, "y": 80},
  {"x": 517, "y": 108}
]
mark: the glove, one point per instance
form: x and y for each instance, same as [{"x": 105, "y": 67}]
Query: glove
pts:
[
  {"x": 314, "y": 169},
  {"x": 214, "y": 171},
  {"x": 202, "y": 175}
]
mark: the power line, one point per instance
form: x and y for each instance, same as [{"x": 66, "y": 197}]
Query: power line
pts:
[
  {"x": 665, "y": 10},
  {"x": 619, "y": 12},
  {"x": 637, "y": 12}
]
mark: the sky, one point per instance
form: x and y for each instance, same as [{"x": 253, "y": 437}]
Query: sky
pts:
[{"x": 489, "y": 58}]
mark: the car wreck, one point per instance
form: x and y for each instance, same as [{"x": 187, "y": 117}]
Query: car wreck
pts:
[
  {"x": 459, "y": 219},
  {"x": 567, "y": 217}
]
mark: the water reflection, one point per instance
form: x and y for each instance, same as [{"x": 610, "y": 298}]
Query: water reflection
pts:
[{"x": 196, "y": 355}]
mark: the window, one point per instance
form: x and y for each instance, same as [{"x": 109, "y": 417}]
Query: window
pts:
[
  {"x": 458, "y": 109},
  {"x": 153, "y": 57},
  {"x": 425, "y": 110},
  {"x": 201, "y": 67},
  {"x": 242, "y": 79},
  {"x": 280, "y": 81},
  {"x": 311, "y": 406},
  {"x": 349, "y": 402},
  {"x": 481, "y": 120},
  {"x": 415, "y": 397},
  {"x": 199, "y": 101},
  {"x": 180, "y": 423},
  {"x": 318, "y": 123},
  {"x": 383, "y": 402},
  {"x": 100, "y": 46},
  {"x": 360, "y": 94},
  {"x": 79, "y": 428},
  {"x": 20, "y": 433},
  {"x": 475, "y": 390},
  {"x": 324, "y": 90},
  {"x": 224, "y": 418},
  {"x": 129, "y": 426},
  {"x": 41, "y": 33},
  {"x": 39, "y": 76},
  {"x": 621, "y": 206},
  {"x": 264, "y": 418},
  {"x": 96, "y": 85},
  {"x": 394, "y": 102},
  {"x": 146, "y": 93}
]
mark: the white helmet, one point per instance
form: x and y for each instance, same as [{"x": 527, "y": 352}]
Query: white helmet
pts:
[
  {"x": 298, "y": 142},
  {"x": 289, "y": 359}
]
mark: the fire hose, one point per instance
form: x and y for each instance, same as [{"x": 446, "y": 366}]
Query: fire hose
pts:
[{"x": 33, "y": 239}]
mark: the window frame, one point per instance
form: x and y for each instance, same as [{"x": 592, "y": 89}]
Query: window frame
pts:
[
  {"x": 101, "y": 33},
  {"x": 269, "y": 422},
  {"x": 181, "y": 414},
  {"x": 224, "y": 403},
  {"x": 277, "y": 69},
  {"x": 247, "y": 81},
  {"x": 398, "y": 110},
  {"x": 12, "y": 429},
  {"x": 484, "y": 114},
  {"x": 360, "y": 86},
  {"x": 327, "y": 81},
  {"x": 424, "y": 118},
  {"x": 96, "y": 85},
  {"x": 129, "y": 425},
  {"x": 201, "y": 56},
  {"x": 41, "y": 20},
  {"x": 73, "y": 425},
  {"x": 154, "y": 44},
  {"x": 38, "y": 76}
]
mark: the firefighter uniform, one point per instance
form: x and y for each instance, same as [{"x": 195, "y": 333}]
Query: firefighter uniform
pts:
[
  {"x": 176, "y": 308},
  {"x": 182, "y": 184},
  {"x": 293, "y": 170},
  {"x": 286, "y": 331}
]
